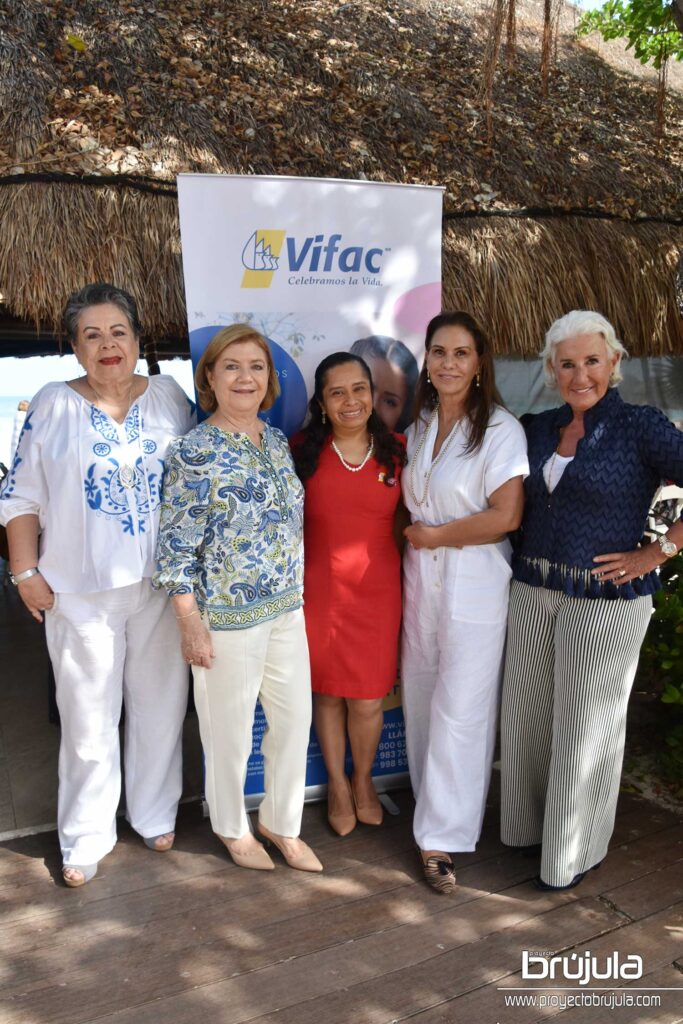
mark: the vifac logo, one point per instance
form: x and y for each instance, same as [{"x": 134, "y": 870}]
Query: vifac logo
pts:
[
  {"x": 260, "y": 258},
  {"x": 315, "y": 254}
]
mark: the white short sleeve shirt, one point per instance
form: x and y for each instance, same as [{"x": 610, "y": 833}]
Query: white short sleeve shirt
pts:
[{"x": 470, "y": 582}]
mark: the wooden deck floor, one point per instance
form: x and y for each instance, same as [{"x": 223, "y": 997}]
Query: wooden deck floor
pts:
[{"x": 188, "y": 938}]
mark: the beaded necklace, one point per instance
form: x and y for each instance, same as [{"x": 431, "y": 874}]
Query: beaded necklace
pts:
[
  {"x": 347, "y": 465},
  {"x": 416, "y": 454}
]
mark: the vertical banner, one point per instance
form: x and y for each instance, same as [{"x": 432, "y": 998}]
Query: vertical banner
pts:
[{"x": 317, "y": 266}]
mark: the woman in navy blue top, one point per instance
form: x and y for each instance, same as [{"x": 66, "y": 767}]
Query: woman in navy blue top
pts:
[{"x": 580, "y": 601}]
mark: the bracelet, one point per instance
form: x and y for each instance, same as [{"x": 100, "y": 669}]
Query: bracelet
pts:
[
  {"x": 179, "y": 617},
  {"x": 25, "y": 575}
]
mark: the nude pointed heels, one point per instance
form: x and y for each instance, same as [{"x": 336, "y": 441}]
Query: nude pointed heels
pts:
[
  {"x": 343, "y": 823},
  {"x": 370, "y": 813},
  {"x": 305, "y": 861},
  {"x": 257, "y": 859}
]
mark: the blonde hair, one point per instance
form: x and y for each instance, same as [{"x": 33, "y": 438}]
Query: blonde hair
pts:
[
  {"x": 581, "y": 321},
  {"x": 221, "y": 340}
]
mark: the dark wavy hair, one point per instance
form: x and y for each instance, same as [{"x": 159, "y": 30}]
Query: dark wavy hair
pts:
[
  {"x": 97, "y": 295},
  {"x": 380, "y": 346},
  {"x": 389, "y": 452},
  {"x": 481, "y": 398}
]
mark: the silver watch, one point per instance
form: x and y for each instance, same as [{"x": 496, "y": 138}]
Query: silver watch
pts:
[
  {"x": 667, "y": 546},
  {"x": 25, "y": 575}
]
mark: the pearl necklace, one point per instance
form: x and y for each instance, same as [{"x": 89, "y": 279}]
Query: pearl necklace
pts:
[
  {"x": 416, "y": 454},
  {"x": 347, "y": 465}
]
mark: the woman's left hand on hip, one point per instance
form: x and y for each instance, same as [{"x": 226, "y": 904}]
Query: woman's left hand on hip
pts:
[{"x": 623, "y": 566}]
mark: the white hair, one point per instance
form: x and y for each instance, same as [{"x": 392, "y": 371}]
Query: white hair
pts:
[{"x": 581, "y": 321}]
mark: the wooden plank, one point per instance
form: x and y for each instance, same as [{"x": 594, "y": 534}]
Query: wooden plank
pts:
[
  {"x": 379, "y": 979},
  {"x": 649, "y": 893},
  {"x": 152, "y": 926},
  {"x": 206, "y": 884},
  {"x": 197, "y": 871},
  {"x": 350, "y": 912},
  {"x": 468, "y": 989},
  {"x": 635, "y": 860},
  {"x": 225, "y": 887}
]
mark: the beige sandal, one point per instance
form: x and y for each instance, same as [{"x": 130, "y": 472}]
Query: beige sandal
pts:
[{"x": 439, "y": 873}]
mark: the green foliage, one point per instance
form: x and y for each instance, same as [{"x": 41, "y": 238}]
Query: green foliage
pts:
[
  {"x": 648, "y": 25},
  {"x": 661, "y": 665}
]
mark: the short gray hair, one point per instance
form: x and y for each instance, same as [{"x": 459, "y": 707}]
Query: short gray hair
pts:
[
  {"x": 581, "y": 321},
  {"x": 97, "y": 295}
]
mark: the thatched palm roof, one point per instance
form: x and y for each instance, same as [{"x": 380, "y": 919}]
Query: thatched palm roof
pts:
[{"x": 117, "y": 97}]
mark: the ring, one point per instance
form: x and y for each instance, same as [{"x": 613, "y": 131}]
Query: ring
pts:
[{"x": 622, "y": 572}]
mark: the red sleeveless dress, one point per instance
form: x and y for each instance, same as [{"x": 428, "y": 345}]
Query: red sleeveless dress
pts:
[{"x": 352, "y": 578}]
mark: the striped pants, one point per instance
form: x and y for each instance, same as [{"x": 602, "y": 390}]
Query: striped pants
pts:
[{"x": 569, "y": 670}]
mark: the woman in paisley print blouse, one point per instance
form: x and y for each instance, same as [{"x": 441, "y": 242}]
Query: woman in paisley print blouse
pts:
[
  {"x": 81, "y": 504},
  {"x": 230, "y": 555}
]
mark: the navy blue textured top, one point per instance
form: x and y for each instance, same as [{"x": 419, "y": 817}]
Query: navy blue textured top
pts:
[{"x": 601, "y": 502}]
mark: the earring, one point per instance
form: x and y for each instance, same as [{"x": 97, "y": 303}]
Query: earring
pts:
[
  {"x": 478, "y": 379},
  {"x": 324, "y": 418},
  {"x": 429, "y": 379}
]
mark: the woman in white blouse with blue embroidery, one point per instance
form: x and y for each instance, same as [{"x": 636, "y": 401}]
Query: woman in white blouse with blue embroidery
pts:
[
  {"x": 81, "y": 505},
  {"x": 230, "y": 555}
]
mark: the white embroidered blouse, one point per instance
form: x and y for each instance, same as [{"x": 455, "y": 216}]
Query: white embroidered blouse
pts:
[{"x": 94, "y": 483}]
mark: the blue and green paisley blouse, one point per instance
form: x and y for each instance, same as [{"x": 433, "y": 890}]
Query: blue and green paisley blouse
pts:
[{"x": 231, "y": 528}]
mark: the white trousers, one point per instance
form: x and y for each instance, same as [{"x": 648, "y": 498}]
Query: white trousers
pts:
[
  {"x": 270, "y": 661},
  {"x": 107, "y": 647},
  {"x": 450, "y": 685}
]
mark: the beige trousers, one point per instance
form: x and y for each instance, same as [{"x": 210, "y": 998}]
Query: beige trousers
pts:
[{"x": 267, "y": 661}]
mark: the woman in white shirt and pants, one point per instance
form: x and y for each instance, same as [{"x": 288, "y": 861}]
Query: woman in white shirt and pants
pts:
[
  {"x": 463, "y": 489},
  {"x": 81, "y": 505}
]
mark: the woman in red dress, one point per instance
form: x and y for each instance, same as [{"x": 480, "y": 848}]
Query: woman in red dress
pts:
[{"x": 350, "y": 465}]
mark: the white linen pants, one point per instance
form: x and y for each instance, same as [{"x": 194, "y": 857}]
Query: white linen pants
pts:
[
  {"x": 270, "y": 661},
  {"x": 450, "y": 672},
  {"x": 106, "y": 647},
  {"x": 568, "y": 675}
]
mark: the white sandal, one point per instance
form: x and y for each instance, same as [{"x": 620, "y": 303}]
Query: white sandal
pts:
[
  {"x": 85, "y": 872},
  {"x": 160, "y": 844}
]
